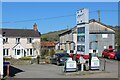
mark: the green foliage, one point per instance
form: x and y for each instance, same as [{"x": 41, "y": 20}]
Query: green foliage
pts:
[
  {"x": 6, "y": 58},
  {"x": 117, "y": 35},
  {"x": 44, "y": 38},
  {"x": 44, "y": 52},
  {"x": 52, "y": 52},
  {"x": 51, "y": 36},
  {"x": 26, "y": 58}
]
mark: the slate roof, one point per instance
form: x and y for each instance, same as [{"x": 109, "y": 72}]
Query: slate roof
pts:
[
  {"x": 48, "y": 44},
  {"x": 94, "y": 29},
  {"x": 20, "y": 33}
]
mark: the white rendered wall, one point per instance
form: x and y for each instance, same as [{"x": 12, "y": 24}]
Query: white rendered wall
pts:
[{"x": 1, "y": 56}]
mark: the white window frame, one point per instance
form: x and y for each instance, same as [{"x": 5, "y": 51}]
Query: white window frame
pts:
[
  {"x": 6, "y": 53},
  {"x": 28, "y": 52},
  {"x": 29, "y": 41},
  {"x": 104, "y": 35},
  {"x": 5, "y": 40},
  {"x": 18, "y": 40}
]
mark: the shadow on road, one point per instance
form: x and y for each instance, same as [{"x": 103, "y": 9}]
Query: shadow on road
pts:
[{"x": 12, "y": 71}]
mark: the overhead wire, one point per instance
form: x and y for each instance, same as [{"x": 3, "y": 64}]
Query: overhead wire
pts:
[{"x": 55, "y": 17}]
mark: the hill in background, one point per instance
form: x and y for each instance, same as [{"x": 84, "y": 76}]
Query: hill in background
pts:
[
  {"x": 51, "y": 36},
  {"x": 54, "y": 36}
]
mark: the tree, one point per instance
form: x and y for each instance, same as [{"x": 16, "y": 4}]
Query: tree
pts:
[
  {"x": 36, "y": 45},
  {"x": 44, "y": 39},
  {"x": 52, "y": 52}
]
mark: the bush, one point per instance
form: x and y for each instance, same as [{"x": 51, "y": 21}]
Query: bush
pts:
[
  {"x": 26, "y": 58},
  {"x": 5, "y": 58}
]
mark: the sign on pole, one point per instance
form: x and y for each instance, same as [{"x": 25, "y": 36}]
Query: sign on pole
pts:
[{"x": 82, "y": 17}]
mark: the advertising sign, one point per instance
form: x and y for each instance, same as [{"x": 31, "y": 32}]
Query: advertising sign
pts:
[{"x": 82, "y": 17}]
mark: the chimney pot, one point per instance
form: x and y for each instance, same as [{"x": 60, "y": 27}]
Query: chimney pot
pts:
[{"x": 35, "y": 27}]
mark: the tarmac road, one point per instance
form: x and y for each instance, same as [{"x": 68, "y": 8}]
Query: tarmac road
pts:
[{"x": 54, "y": 71}]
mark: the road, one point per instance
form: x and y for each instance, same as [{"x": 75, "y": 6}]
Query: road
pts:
[{"x": 53, "y": 71}]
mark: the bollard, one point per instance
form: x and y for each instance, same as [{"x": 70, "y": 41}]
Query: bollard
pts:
[
  {"x": 8, "y": 70},
  {"x": 90, "y": 56},
  {"x": 38, "y": 59},
  {"x": 104, "y": 64},
  {"x": 82, "y": 67}
]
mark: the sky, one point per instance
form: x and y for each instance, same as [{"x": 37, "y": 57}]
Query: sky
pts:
[{"x": 54, "y": 16}]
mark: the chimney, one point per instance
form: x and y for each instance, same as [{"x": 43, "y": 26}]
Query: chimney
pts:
[{"x": 35, "y": 27}]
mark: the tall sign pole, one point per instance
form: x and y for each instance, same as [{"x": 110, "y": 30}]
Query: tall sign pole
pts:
[{"x": 82, "y": 20}]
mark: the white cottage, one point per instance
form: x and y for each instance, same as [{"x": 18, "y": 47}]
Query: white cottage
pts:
[{"x": 19, "y": 42}]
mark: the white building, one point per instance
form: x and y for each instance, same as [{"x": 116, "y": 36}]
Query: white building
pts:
[
  {"x": 100, "y": 37},
  {"x": 19, "y": 42},
  {"x": 1, "y": 56}
]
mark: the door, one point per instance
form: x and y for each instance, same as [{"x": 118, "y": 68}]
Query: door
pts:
[
  {"x": 24, "y": 53},
  {"x": 18, "y": 54}
]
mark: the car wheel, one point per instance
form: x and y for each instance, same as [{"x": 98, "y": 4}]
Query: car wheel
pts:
[
  {"x": 103, "y": 55},
  {"x": 108, "y": 57},
  {"x": 58, "y": 64}
]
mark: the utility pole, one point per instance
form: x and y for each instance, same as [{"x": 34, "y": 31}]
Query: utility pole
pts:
[{"x": 98, "y": 15}]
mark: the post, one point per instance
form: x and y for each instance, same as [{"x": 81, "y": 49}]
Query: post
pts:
[
  {"x": 8, "y": 70},
  {"x": 104, "y": 64},
  {"x": 98, "y": 15},
  {"x": 90, "y": 55},
  {"x": 82, "y": 67},
  {"x": 38, "y": 59}
]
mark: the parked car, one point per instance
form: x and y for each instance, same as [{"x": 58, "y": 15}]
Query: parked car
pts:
[
  {"x": 109, "y": 53},
  {"x": 59, "y": 58},
  {"x": 78, "y": 56},
  {"x": 117, "y": 56}
]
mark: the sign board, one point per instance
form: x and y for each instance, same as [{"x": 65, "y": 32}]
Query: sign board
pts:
[
  {"x": 82, "y": 18},
  {"x": 70, "y": 65},
  {"x": 82, "y": 60},
  {"x": 95, "y": 63}
]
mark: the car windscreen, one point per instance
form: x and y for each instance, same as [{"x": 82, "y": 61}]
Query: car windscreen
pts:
[
  {"x": 64, "y": 55},
  {"x": 111, "y": 50}
]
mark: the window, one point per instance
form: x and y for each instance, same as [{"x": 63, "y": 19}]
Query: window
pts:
[
  {"x": 81, "y": 48},
  {"x": 81, "y": 38},
  {"x": 5, "y": 40},
  {"x": 27, "y": 51},
  {"x": 30, "y": 52},
  {"x": 104, "y": 35},
  {"x": 18, "y": 52},
  {"x": 81, "y": 30},
  {"x": 5, "y": 52},
  {"x": 29, "y": 40},
  {"x": 17, "y": 40}
]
